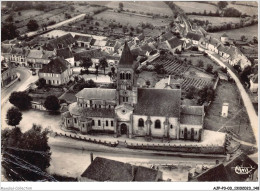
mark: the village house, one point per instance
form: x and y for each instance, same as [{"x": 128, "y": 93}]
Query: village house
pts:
[
  {"x": 37, "y": 58},
  {"x": 224, "y": 38},
  {"x": 56, "y": 72},
  {"x": 193, "y": 37},
  {"x": 174, "y": 44},
  {"x": 223, "y": 51},
  {"x": 64, "y": 41},
  {"x": 8, "y": 74},
  {"x": 254, "y": 83},
  {"x": 18, "y": 56},
  {"x": 83, "y": 41},
  {"x": 210, "y": 43},
  {"x": 99, "y": 44},
  {"x": 166, "y": 36},
  {"x": 147, "y": 49},
  {"x": 111, "y": 46},
  {"x": 106, "y": 170},
  {"x": 129, "y": 110},
  {"x": 6, "y": 52},
  {"x": 138, "y": 39},
  {"x": 66, "y": 54},
  {"x": 237, "y": 58}
]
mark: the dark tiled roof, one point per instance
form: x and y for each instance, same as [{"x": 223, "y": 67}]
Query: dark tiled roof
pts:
[
  {"x": 64, "y": 53},
  {"x": 144, "y": 174},
  {"x": 193, "y": 36},
  {"x": 192, "y": 115},
  {"x": 192, "y": 110},
  {"x": 136, "y": 51},
  {"x": 97, "y": 93},
  {"x": 102, "y": 169},
  {"x": 241, "y": 160},
  {"x": 146, "y": 48},
  {"x": 141, "y": 37},
  {"x": 6, "y": 48},
  {"x": 167, "y": 36},
  {"x": 19, "y": 51},
  {"x": 126, "y": 57},
  {"x": 64, "y": 40},
  {"x": 111, "y": 43},
  {"x": 217, "y": 173},
  {"x": 152, "y": 102},
  {"x": 55, "y": 66},
  {"x": 224, "y": 35},
  {"x": 83, "y": 38},
  {"x": 174, "y": 42}
]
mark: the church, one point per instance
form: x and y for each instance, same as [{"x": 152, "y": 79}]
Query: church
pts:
[{"x": 132, "y": 111}]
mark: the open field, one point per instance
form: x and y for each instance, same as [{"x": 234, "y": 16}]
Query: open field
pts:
[
  {"x": 216, "y": 21},
  {"x": 237, "y": 121},
  {"x": 189, "y": 7},
  {"x": 134, "y": 20},
  {"x": 155, "y": 7},
  {"x": 244, "y": 9},
  {"x": 248, "y": 32}
]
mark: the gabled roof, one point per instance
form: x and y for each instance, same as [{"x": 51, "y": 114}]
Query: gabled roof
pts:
[
  {"x": 217, "y": 173},
  {"x": 152, "y": 102},
  {"x": 254, "y": 79},
  {"x": 55, "y": 66},
  {"x": 19, "y": 51},
  {"x": 35, "y": 54},
  {"x": 144, "y": 174},
  {"x": 64, "y": 53},
  {"x": 100, "y": 43},
  {"x": 83, "y": 38},
  {"x": 175, "y": 42},
  {"x": 102, "y": 169},
  {"x": 97, "y": 94},
  {"x": 126, "y": 59},
  {"x": 6, "y": 48},
  {"x": 111, "y": 43},
  {"x": 94, "y": 53},
  {"x": 64, "y": 40},
  {"x": 224, "y": 35},
  {"x": 166, "y": 36},
  {"x": 146, "y": 48},
  {"x": 193, "y": 36}
]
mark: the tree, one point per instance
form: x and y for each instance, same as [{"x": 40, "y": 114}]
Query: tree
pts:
[
  {"x": 191, "y": 92},
  {"x": 86, "y": 63},
  {"x": 97, "y": 66},
  {"x": 21, "y": 100},
  {"x": 222, "y": 4},
  {"x": 121, "y": 6},
  {"x": 13, "y": 116},
  {"x": 245, "y": 73},
  {"x": 255, "y": 40},
  {"x": 18, "y": 147},
  {"x": 9, "y": 19},
  {"x": 110, "y": 75},
  {"x": 148, "y": 83},
  {"x": 8, "y": 31},
  {"x": 200, "y": 64},
  {"x": 243, "y": 38},
  {"x": 209, "y": 68},
  {"x": 113, "y": 70},
  {"x": 19, "y": 13},
  {"x": 72, "y": 9},
  {"x": 103, "y": 64},
  {"x": 32, "y": 25},
  {"x": 52, "y": 103},
  {"x": 41, "y": 83},
  {"x": 206, "y": 94}
]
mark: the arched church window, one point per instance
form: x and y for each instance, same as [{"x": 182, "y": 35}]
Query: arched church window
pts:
[
  {"x": 171, "y": 126},
  {"x": 126, "y": 76},
  {"x": 129, "y": 76},
  {"x": 140, "y": 122},
  {"x": 157, "y": 124},
  {"x": 123, "y": 75}
]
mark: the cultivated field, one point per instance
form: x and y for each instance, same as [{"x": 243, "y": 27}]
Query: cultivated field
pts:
[
  {"x": 155, "y": 7},
  {"x": 245, "y": 9},
  {"x": 189, "y": 7},
  {"x": 216, "y": 21},
  {"x": 134, "y": 20},
  {"x": 248, "y": 32}
]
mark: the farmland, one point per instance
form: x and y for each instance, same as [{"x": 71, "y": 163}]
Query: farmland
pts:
[
  {"x": 189, "y": 7},
  {"x": 248, "y": 32},
  {"x": 155, "y": 7},
  {"x": 134, "y": 20},
  {"x": 245, "y": 9},
  {"x": 216, "y": 21}
]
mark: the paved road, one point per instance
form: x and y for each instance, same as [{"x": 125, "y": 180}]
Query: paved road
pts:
[
  {"x": 26, "y": 79},
  {"x": 253, "y": 118}
]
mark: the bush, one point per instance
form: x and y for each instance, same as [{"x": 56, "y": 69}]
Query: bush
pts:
[
  {"x": 194, "y": 48},
  {"x": 209, "y": 68},
  {"x": 21, "y": 100},
  {"x": 150, "y": 68}
]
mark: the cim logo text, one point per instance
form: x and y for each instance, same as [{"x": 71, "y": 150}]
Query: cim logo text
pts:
[{"x": 243, "y": 170}]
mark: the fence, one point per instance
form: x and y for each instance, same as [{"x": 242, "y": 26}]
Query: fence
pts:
[
  {"x": 207, "y": 149},
  {"x": 91, "y": 140}
]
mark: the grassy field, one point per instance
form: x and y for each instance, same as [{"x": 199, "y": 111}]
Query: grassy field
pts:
[
  {"x": 245, "y": 9},
  {"x": 248, "y": 32},
  {"x": 189, "y": 7},
  {"x": 156, "y": 7},
  {"x": 237, "y": 121},
  {"x": 133, "y": 20},
  {"x": 216, "y": 20},
  {"x": 145, "y": 76}
]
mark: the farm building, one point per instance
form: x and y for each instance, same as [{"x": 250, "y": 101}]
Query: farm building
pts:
[
  {"x": 174, "y": 44},
  {"x": 37, "y": 58},
  {"x": 83, "y": 41},
  {"x": 193, "y": 37},
  {"x": 66, "y": 54},
  {"x": 64, "y": 41},
  {"x": 129, "y": 110}
]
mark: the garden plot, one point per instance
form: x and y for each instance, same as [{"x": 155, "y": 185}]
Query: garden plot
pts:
[
  {"x": 130, "y": 19},
  {"x": 189, "y": 7}
]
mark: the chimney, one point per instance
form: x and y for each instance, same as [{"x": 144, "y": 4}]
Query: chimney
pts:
[{"x": 91, "y": 157}]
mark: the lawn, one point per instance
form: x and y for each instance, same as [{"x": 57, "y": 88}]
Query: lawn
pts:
[
  {"x": 145, "y": 76},
  {"x": 237, "y": 121},
  {"x": 133, "y": 20},
  {"x": 248, "y": 32},
  {"x": 216, "y": 21},
  {"x": 189, "y": 7}
]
